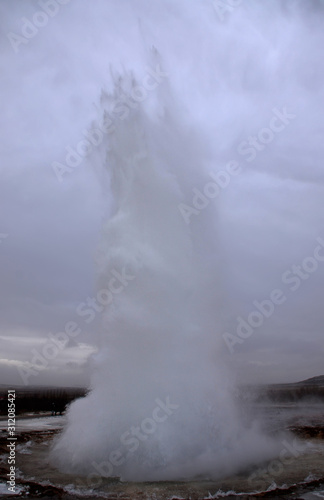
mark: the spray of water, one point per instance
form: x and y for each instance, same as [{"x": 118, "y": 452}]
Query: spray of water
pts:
[{"x": 160, "y": 405}]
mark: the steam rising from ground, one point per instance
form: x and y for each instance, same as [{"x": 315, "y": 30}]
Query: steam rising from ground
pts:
[
  {"x": 160, "y": 406},
  {"x": 161, "y": 403}
]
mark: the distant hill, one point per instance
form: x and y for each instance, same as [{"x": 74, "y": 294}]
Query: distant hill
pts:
[
  {"x": 319, "y": 381},
  {"x": 40, "y": 398},
  {"x": 307, "y": 390}
]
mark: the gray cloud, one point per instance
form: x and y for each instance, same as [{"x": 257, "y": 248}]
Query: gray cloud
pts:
[{"x": 226, "y": 78}]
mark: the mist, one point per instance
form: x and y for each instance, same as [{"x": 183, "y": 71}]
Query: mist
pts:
[
  {"x": 160, "y": 401},
  {"x": 198, "y": 128}
]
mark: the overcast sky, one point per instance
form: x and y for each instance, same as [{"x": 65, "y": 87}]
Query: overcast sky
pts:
[{"x": 240, "y": 74}]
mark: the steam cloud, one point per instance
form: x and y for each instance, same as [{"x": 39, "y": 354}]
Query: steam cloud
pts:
[{"x": 161, "y": 405}]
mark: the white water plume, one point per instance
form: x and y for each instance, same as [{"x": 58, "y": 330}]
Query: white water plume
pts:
[{"x": 161, "y": 405}]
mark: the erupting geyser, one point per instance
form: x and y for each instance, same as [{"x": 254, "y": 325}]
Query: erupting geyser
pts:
[{"x": 160, "y": 404}]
